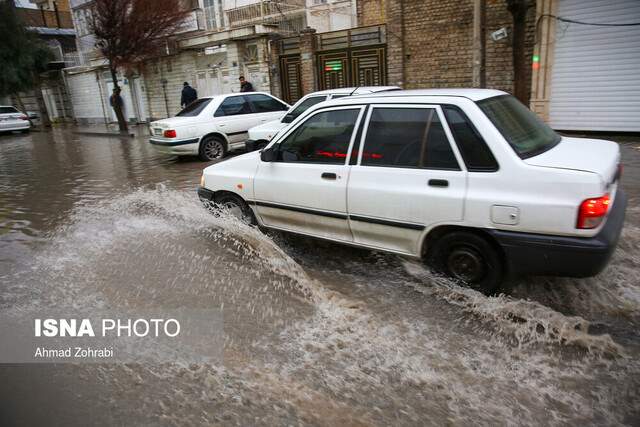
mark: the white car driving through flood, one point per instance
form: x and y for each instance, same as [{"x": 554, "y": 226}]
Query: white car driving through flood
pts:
[
  {"x": 212, "y": 126},
  {"x": 468, "y": 180}
]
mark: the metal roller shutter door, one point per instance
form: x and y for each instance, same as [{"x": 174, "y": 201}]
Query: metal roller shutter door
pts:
[{"x": 596, "y": 72}]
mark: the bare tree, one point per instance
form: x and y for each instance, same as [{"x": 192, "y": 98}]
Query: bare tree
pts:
[
  {"x": 518, "y": 10},
  {"x": 130, "y": 31}
]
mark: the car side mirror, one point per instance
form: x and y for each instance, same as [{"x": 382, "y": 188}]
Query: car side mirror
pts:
[
  {"x": 288, "y": 118},
  {"x": 268, "y": 155}
]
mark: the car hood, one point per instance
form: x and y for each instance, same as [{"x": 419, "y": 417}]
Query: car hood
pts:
[
  {"x": 590, "y": 155},
  {"x": 174, "y": 122},
  {"x": 267, "y": 130}
]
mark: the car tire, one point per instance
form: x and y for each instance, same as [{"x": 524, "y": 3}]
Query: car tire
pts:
[
  {"x": 236, "y": 206},
  {"x": 212, "y": 148},
  {"x": 469, "y": 258}
]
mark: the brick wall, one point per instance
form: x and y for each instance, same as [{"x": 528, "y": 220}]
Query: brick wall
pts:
[
  {"x": 433, "y": 41},
  {"x": 438, "y": 43},
  {"x": 371, "y": 12},
  {"x": 499, "y": 54}
]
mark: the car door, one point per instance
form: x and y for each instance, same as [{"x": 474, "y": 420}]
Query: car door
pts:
[
  {"x": 266, "y": 108},
  {"x": 235, "y": 117},
  {"x": 305, "y": 188},
  {"x": 408, "y": 177}
]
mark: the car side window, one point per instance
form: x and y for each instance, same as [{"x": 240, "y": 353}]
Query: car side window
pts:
[
  {"x": 265, "y": 104},
  {"x": 322, "y": 138},
  {"x": 475, "y": 152},
  {"x": 407, "y": 138},
  {"x": 233, "y": 106}
]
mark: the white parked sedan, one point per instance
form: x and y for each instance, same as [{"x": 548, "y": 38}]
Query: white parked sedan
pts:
[
  {"x": 259, "y": 136},
  {"x": 469, "y": 180},
  {"x": 11, "y": 120},
  {"x": 211, "y": 126}
]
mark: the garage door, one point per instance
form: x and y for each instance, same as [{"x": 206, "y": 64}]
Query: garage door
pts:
[{"x": 596, "y": 71}]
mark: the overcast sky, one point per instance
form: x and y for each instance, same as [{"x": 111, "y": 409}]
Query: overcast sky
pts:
[{"x": 25, "y": 3}]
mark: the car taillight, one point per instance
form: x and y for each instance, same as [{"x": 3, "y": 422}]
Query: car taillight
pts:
[
  {"x": 592, "y": 212},
  {"x": 24, "y": 117},
  {"x": 170, "y": 133}
]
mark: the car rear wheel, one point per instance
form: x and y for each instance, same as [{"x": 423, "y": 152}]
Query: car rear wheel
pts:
[
  {"x": 212, "y": 148},
  {"x": 236, "y": 207},
  {"x": 468, "y": 258}
]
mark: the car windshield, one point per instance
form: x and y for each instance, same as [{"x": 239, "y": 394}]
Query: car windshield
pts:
[
  {"x": 523, "y": 130},
  {"x": 195, "y": 108},
  {"x": 7, "y": 110},
  {"x": 305, "y": 105}
]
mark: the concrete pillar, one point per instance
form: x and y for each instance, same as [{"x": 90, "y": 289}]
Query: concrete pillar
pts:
[
  {"x": 543, "y": 52},
  {"x": 274, "y": 66},
  {"x": 308, "y": 69},
  {"x": 233, "y": 61}
]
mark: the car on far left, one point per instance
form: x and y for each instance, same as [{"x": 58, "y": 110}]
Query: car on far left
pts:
[{"x": 11, "y": 119}]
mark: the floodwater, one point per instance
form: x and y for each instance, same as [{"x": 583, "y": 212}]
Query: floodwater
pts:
[{"x": 315, "y": 333}]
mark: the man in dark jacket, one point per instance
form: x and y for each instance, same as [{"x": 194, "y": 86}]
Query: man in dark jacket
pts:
[
  {"x": 245, "y": 86},
  {"x": 189, "y": 95}
]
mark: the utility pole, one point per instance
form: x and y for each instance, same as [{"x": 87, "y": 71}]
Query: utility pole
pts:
[{"x": 479, "y": 74}]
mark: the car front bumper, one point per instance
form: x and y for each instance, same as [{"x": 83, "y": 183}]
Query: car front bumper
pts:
[
  {"x": 204, "y": 194},
  {"x": 177, "y": 147},
  {"x": 544, "y": 255}
]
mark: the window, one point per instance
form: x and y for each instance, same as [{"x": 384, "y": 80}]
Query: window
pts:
[
  {"x": 8, "y": 110},
  {"x": 323, "y": 138},
  {"x": 305, "y": 105},
  {"x": 477, "y": 156},
  {"x": 407, "y": 138},
  {"x": 195, "y": 108},
  {"x": 232, "y": 106},
  {"x": 265, "y": 104},
  {"x": 523, "y": 130}
]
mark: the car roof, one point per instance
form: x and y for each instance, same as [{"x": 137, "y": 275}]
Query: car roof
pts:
[
  {"x": 224, "y": 95},
  {"x": 472, "y": 94},
  {"x": 355, "y": 90}
]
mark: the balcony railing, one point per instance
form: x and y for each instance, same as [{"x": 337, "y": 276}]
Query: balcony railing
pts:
[{"x": 288, "y": 15}]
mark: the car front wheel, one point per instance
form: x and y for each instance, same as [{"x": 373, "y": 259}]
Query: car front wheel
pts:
[
  {"x": 468, "y": 258},
  {"x": 212, "y": 148},
  {"x": 236, "y": 207}
]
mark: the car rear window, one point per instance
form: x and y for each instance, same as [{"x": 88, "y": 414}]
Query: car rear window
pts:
[
  {"x": 475, "y": 152},
  {"x": 523, "y": 129},
  {"x": 8, "y": 110},
  {"x": 195, "y": 108}
]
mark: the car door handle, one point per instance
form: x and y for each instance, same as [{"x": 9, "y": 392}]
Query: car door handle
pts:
[
  {"x": 329, "y": 175},
  {"x": 438, "y": 183}
]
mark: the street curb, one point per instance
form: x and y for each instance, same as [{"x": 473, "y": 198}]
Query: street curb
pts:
[{"x": 109, "y": 134}]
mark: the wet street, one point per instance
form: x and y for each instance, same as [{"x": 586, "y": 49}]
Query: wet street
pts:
[{"x": 315, "y": 333}]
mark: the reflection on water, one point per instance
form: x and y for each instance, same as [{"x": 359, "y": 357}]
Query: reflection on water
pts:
[{"x": 316, "y": 333}]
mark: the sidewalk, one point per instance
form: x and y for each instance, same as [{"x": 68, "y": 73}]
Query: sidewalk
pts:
[{"x": 110, "y": 130}]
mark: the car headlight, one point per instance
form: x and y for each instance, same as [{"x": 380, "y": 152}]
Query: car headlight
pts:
[{"x": 202, "y": 181}]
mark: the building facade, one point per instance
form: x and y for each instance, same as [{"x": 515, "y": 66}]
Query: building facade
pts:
[
  {"x": 585, "y": 74},
  {"x": 221, "y": 41},
  {"x": 51, "y": 21}
]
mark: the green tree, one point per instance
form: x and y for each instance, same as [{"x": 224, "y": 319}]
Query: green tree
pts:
[{"x": 22, "y": 57}]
